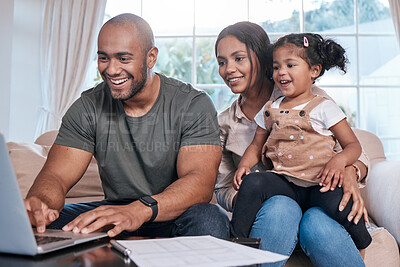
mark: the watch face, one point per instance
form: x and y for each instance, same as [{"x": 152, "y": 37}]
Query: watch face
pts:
[{"x": 148, "y": 200}]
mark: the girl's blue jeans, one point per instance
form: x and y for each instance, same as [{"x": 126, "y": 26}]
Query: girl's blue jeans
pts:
[{"x": 281, "y": 225}]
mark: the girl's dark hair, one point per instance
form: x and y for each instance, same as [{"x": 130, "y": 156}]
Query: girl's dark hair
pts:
[
  {"x": 314, "y": 49},
  {"x": 256, "y": 39}
]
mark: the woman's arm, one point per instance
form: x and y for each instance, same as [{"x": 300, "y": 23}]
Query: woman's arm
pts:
[
  {"x": 354, "y": 175},
  {"x": 251, "y": 156},
  {"x": 224, "y": 191},
  {"x": 351, "y": 190}
]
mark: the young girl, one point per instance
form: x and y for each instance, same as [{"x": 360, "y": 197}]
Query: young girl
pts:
[{"x": 297, "y": 133}]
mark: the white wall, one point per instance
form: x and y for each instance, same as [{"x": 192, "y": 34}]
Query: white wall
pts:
[
  {"x": 6, "y": 30},
  {"x": 25, "y": 71},
  {"x": 19, "y": 109}
]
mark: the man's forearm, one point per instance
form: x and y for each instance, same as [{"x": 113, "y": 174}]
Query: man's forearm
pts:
[
  {"x": 197, "y": 171},
  {"x": 48, "y": 191},
  {"x": 187, "y": 191},
  {"x": 63, "y": 168}
]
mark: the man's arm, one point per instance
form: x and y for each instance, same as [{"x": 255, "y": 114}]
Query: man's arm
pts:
[
  {"x": 197, "y": 167},
  {"x": 63, "y": 168}
]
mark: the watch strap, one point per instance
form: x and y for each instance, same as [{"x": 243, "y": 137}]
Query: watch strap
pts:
[
  {"x": 155, "y": 212},
  {"x": 153, "y": 206}
]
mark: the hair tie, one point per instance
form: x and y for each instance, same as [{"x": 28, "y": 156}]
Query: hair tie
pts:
[{"x": 305, "y": 42}]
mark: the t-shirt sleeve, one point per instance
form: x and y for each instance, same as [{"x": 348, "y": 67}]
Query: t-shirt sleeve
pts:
[
  {"x": 200, "y": 123},
  {"x": 259, "y": 118},
  {"x": 325, "y": 115},
  {"x": 333, "y": 114},
  {"x": 78, "y": 127}
]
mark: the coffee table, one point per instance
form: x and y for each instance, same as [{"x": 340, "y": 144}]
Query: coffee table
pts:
[{"x": 97, "y": 253}]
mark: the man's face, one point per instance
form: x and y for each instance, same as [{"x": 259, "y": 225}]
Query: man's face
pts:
[{"x": 121, "y": 61}]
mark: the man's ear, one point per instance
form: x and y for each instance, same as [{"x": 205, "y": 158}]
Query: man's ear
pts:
[
  {"x": 315, "y": 71},
  {"x": 152, "y": 57}
]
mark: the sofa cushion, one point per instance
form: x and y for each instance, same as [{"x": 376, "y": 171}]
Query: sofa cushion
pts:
[
  {"x": 382, "y": 198},
  {"x": 371, "y": 144},
  {"x": 47, "y": 138},
  {"x": 383, "y": 251},
  {"x": 28, "y": 159}
]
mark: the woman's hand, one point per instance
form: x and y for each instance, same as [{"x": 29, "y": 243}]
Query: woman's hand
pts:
[
  {"x": 237, "y": 179},
  {"x": 350, "y": 189}
]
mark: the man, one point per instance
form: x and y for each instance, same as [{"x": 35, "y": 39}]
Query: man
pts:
[{"x": 156, "y": 141}]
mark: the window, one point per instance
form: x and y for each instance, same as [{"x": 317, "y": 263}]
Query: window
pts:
[{"x": 185, "y": 32}]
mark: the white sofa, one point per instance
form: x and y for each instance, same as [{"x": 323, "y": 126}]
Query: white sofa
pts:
[
  {"x": 29, "y": 158},
  {"x": 381, "y": 195}
]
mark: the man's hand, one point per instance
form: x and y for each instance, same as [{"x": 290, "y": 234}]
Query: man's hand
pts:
[
  {"x": 118, "y": 218},
  {"x": 39, "y": 213},
  {"x": 63, "y": 168},
  {"x": 350, "y": 189}
]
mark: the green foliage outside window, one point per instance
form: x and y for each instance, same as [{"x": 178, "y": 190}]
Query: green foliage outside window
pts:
[
  {"x": 206, "y": 67},
  {"x": 175, "y": 54},
  {"x": 372, "y": 11},
  {"x": 97, "y": 80},
  {"x": 331, "y": 15},
  {"x": 175, "y": 58}
]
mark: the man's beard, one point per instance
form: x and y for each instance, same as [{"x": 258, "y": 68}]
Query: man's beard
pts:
[{"x": 136, "y": 86}]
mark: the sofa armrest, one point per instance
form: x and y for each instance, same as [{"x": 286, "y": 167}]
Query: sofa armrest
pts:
[
  {"x": 28, "y": 159},
  {"x": 382, "y": 198}
]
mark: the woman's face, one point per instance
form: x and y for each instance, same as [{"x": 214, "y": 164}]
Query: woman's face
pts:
[{"x": 234, "y": 64}]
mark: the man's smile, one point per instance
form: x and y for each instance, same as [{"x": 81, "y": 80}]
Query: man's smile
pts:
[{"x": 119, "y": 81}]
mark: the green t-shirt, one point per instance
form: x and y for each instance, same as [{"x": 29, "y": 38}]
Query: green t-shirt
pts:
[{"x": 137, "y": 155}]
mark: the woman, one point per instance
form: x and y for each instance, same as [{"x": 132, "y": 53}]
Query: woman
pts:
[{"x": 246, "y": 67}]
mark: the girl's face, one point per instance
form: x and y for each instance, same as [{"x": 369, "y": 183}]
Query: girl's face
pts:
[
  {"x": 234, "y": 64},
  {"x": 292, "y": 75}
]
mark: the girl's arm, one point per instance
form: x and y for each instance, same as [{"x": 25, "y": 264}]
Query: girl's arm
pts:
[
  {"x": 251, "y": 156},
  {"x": 332, "y": 172}
]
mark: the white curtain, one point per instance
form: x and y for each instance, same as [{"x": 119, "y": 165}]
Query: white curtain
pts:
[
  {"x": 395, "y": 10},
  {"x": 69, "y": 34}
]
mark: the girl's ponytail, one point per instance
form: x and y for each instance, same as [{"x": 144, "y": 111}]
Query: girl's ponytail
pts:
[{"x": 333, "y": 55}]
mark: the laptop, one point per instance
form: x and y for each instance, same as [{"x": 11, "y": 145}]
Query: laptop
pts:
[{"x": 16, "y": 233}]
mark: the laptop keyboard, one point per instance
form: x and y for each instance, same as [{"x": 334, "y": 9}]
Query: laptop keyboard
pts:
[{"x": 42, "y": 239}]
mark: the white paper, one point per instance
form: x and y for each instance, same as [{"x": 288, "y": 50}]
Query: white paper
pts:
[{"x": 195, "y": 251}]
